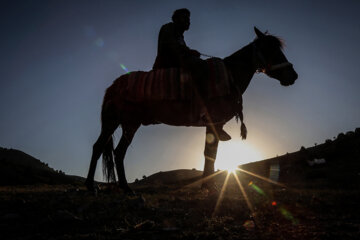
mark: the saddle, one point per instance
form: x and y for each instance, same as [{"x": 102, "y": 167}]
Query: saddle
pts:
[{"x": 173, "y": 84}]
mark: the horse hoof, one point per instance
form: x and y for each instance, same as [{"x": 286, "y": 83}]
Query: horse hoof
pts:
[{"x": 91, "y": 187}]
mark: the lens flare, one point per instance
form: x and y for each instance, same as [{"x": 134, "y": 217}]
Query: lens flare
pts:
[
  {"x": 282, "y": 210},
  {"x": 261, "y": 177},
  {"x": 288, "y": 215},
  {"x": 249, "y": 225},
  {"x": 257, "y": 189},
  {"x": 210, "y": 138},
  {"x": 244, "y": 194},
  {"x": 124, "y": 68},
  {"x": 99, "y": 42},
  {"x": 203, "y": 180},
  {"x": 89, "y": 31},
  {"x": 221, "y": 195}
]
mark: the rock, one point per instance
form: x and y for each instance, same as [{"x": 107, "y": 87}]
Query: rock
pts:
[
  {"x": 146, "y": 225},
  {"x": 249, "y": 225}
]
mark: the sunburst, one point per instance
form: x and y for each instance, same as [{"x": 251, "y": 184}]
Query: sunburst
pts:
[{"x": 234, "y": 153}]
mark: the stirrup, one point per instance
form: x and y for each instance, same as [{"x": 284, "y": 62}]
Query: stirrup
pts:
[{"x": 223, "y": 136}]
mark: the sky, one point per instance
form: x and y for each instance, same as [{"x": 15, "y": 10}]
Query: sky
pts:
[{"x": 58, "y": 57}]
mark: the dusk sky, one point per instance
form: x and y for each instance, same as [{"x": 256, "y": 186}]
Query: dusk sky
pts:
[{"x": 58, "y": 57}]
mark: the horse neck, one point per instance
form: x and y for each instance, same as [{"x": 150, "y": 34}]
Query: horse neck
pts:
[{"x": 242, "y": 67}]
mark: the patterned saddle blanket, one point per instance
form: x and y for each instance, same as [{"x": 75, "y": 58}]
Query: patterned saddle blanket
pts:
[{"x": 173, "y": 83}]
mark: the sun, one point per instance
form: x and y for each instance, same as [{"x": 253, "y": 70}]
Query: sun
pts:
[
  {"x": 232, "y": 169},
  {"x": 231, "y": 154}
]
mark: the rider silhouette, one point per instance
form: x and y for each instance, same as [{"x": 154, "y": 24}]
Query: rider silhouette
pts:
[
  {"x": 172, "y": 49},
  {"x": 174, "y": 53}
]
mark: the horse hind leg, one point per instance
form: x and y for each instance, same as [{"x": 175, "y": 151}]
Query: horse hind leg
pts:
[
  {"x": 128, "y": 132},
  {"x": 98, "y": 148}
]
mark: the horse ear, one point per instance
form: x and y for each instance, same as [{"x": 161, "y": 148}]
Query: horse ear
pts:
[{"x": 259, "y": 33}]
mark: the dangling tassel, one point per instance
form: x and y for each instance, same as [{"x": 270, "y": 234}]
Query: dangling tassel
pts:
[
  {"x": 239, "y": 115},
  {"x": 243, "y": 131}
]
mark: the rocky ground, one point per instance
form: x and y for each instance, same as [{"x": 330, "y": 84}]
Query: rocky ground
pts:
[
  {"x": 179, "y": 212},
  {"x": 319, "y": 198}
]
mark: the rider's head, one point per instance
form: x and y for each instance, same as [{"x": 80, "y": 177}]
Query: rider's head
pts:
[{"x": 181, "y": 18}]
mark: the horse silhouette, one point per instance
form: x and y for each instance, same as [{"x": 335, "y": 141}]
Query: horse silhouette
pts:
[{"x": 264, "y": 54}]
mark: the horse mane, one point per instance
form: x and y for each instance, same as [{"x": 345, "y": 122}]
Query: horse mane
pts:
[
  {"x": 272, "y": 40},
  {"x": 268, "y": 40}
]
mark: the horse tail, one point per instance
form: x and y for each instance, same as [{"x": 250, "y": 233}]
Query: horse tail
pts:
[
  {"x": 108, "y": 153},
  {"x": 108, "y": 161}
]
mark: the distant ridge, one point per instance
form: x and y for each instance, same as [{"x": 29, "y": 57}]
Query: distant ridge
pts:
[
  {"x": 174, "y": 177},
  {"x": 19, "y": 168},
  {"x": 333, "y": 163},
  {"x": 337, "y": 164}
]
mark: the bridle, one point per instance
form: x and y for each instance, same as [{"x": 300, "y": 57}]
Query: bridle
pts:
[
  {"x": 264, "y": 67},
  {"x": 261, "y": 67}
]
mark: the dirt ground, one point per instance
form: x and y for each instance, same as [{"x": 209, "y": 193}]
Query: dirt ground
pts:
[{"x": 178, "y": 212}]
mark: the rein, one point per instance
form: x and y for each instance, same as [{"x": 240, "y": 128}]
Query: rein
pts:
[
  {"x": 205, "y": 55},
  {"x": 262, "y": 67},
  {"x": 266, "y": 67},
  {"x": 239, "y": 111},
  {"x": 258, "y": 54}
]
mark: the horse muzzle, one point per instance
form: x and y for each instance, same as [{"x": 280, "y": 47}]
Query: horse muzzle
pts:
[
  {"x": 289, "y": 78},
  {"x": 286, "y": 74}
]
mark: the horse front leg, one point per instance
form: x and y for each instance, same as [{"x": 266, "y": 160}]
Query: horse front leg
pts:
[{"x": 211, "y": 145}]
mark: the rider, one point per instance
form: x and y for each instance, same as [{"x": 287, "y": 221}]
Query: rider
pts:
[
  {"x": 173, "y": 52},
  {"x": 172, "y": 49}
]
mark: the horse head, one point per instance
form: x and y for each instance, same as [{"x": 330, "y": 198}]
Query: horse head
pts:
[{"x": 271, "y": 60}]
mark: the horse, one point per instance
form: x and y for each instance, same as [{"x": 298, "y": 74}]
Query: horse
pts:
[{"x": 263, "y": 55}]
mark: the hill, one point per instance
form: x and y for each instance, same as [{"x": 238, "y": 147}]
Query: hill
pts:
[
  {"x": 19, "y": 168},
  {"x": 335, "y": 163},
  {"x": 180, "y": 176}
]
